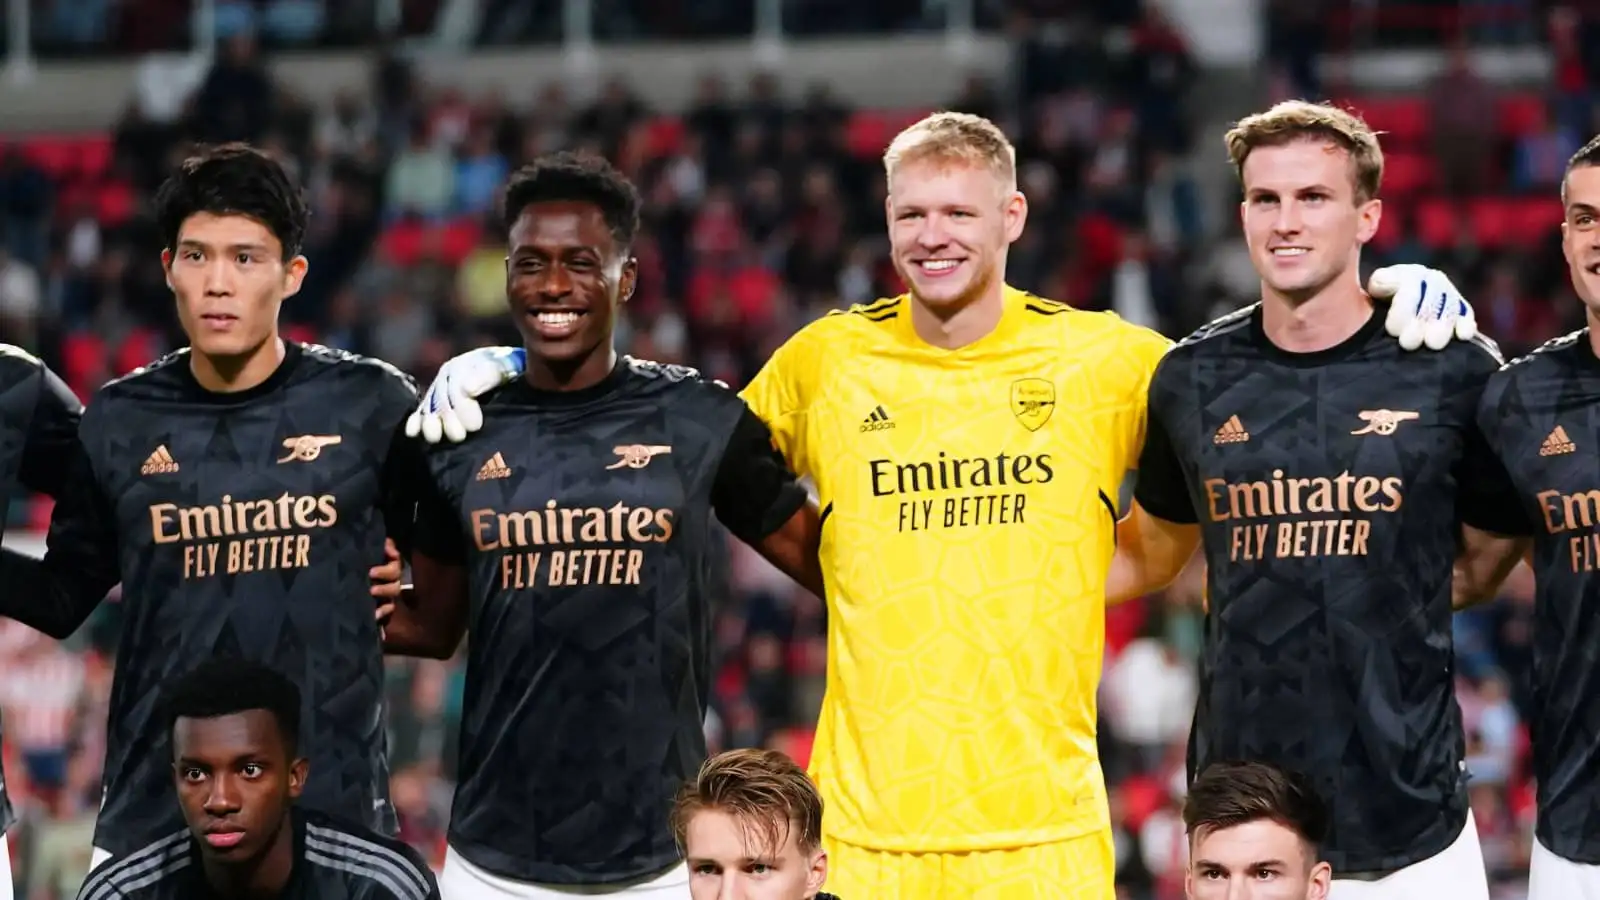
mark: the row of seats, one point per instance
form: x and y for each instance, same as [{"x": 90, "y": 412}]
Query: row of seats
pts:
[
  {"x": 1403, "y": 120},
  {"x": 1492, "y": 223}
]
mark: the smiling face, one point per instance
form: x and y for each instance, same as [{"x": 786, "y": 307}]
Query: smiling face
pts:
[
  {"x": 565, "y": 277},
  {"x": 950, "y": 224},
  {"x": 236, "y": 780},
  {"x": 1303, "y": 221},
  {"x": 230, "y": 279},
  {"x": 1580, "y": 234}
]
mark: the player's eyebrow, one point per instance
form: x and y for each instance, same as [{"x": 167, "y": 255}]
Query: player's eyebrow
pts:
[
  {"x": 191, "y": 243},
  {"x": 1580, "y": 208}
]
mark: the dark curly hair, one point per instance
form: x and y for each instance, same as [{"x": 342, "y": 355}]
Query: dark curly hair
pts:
[
  {"x": 225, "y": 686},
  {"x": 578, "y": 178},
  {"x": 234, "y": 179}
]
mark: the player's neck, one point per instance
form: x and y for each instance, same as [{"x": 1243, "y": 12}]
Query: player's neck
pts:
[
  {"x": 1593, "y": 321},
  {"x": 1316, "y": 323},
  {"x": 230, "y": 374},
  {"x": 259, "y": 879},
  {"x": 557, "y": 375},
  {"x": 957, "y": 327}
]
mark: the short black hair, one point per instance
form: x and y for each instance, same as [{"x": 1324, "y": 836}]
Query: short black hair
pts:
[
  {"x": 576, "y": 177},
  {"x": 234, "y": 179},
  {"x": 225, "y": 686},
  {"x": 1587, "y": 155},
  {"x": 1236, "y": 793}
]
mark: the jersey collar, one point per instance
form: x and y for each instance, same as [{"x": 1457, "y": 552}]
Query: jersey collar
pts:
[{"x": 1007, "y": 328}]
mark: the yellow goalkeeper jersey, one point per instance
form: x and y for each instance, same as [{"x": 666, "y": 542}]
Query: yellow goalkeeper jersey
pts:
[{"x": 969, "y": 500}]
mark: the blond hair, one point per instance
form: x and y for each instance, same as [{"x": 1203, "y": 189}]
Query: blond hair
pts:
[
  {"x": 1299, "y": 120},
  {"x": 952, "y": 137},
  {"x": 763, "y": 789}
]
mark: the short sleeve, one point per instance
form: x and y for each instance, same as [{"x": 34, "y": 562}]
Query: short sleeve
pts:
[
  {"x": 779, "y": 396},
  {"x": 1486, "y": 497},
  {"x": 1142, "y": 351},
  {"x": 1161, "y": 488},
  {"x": 52, "y": 441},
  {"x": 754, "y": 492},
  {"x": 436, "y": 530}
]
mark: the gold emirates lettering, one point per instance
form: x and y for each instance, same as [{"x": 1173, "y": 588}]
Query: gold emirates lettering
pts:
[
  {"x": 1339, "y": 498},
  {"x": 555, "y": 529},
  {"x": 1574, "y": 512},
  {"x": 235, "y": 537}
]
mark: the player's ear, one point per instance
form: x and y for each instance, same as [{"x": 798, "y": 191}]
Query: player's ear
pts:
[
  {"x": 629, "y": 280},
  {"x": 297, "y": 776},
  {"x": 1321, "y": 881},
  {"x": 818, "y": 875},
  {"x": 1016, "y": 215},
  {"x": 294, "y": 275},
  {"x": 1371, "y": 213},
  {"x": 166, "y": 264}
]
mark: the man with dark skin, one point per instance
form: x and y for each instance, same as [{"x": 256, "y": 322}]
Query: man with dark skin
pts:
[
  {"x": 238, "y": 774},
  {"x": 573, "y": 536}
]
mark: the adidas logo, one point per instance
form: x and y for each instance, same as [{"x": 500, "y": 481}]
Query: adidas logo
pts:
[
  {"x": 159, "y": 463},
  {"x": 877, "y": 420},
  {"x": 1231, "y": 432},
  {"x": 1557, "y": 443},
  {"x": 494, "y": 467}
]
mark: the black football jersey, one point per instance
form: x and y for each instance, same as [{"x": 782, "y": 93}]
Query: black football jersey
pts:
[
  {"x": 38, "y": 433},
  {"x": 238, "y": 524},
  {"x": 1541, "y": 415},
  {"x": 1329, "y": 488},
  {"x": 332, "y": 861},
  {"x": 585, "y": 522}
]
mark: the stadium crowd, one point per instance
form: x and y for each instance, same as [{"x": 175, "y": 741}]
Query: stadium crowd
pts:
[{"x": 762, "y": 214}]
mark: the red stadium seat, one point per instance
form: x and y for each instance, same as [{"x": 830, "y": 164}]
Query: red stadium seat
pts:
[
  {"x": 56, "y": 156},
  {"x": 665, "y": 135},
  {"x": 1438, "y": 223},
  {"x": 1492, "y": 222},
  {"x": 305, "y": 334},
  {"x": 1406, "y": 173},
  {"x": 1534, "y": 218},
  {"x": 401, "y": 244},
  {"x": 114, "y": 202},
  {"x": 139, "y": 348},
  {"x": 458, "y": 239},
  {"x": 870, "y": 130},
  {"x": 1520, "y": 114},
  {"x": 95, "y": 154},
  {"x": 1401, "y": 120},
  {"x": 1395, "y": 226},
  {"x": 83, "y": 355}
]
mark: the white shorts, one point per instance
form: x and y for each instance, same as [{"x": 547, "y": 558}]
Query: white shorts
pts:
[
  {"x": 7, "y": 886},
  {"x": 462, "y": 880},
  {"x": 1552, "y": 877},
  {"x": 1456, "y": 872}
]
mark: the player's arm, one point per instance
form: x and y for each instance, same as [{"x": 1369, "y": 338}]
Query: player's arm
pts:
[
  {"x": 1161, "y": 532},
  {"x": 52, "y": 436},
  {"x": 758, "y": 498},
  {"x": 430, "y": 616},
  {"x": 81, "y": 564},
  {"x": 1496, "y": 532}
]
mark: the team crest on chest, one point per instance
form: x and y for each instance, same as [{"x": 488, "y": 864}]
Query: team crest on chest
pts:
[{"x": 1032, "y": 401}]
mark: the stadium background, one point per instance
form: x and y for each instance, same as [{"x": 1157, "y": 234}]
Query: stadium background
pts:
[{"x": 753, "y": 128}]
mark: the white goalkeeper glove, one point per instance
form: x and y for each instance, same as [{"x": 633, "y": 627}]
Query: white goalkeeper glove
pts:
[
  {"x": 450, "y": 407},
  {"x": 1424, "y": 307}
]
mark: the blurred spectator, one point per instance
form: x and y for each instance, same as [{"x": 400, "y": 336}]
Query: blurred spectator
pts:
[{"x": 1456, "y": 100}]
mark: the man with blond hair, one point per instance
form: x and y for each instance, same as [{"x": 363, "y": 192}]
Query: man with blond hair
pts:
[
  {"x": 750, "y": 826},
  {"x": 967, "y": 441},
  {"x": 1332, "y": 479}
]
